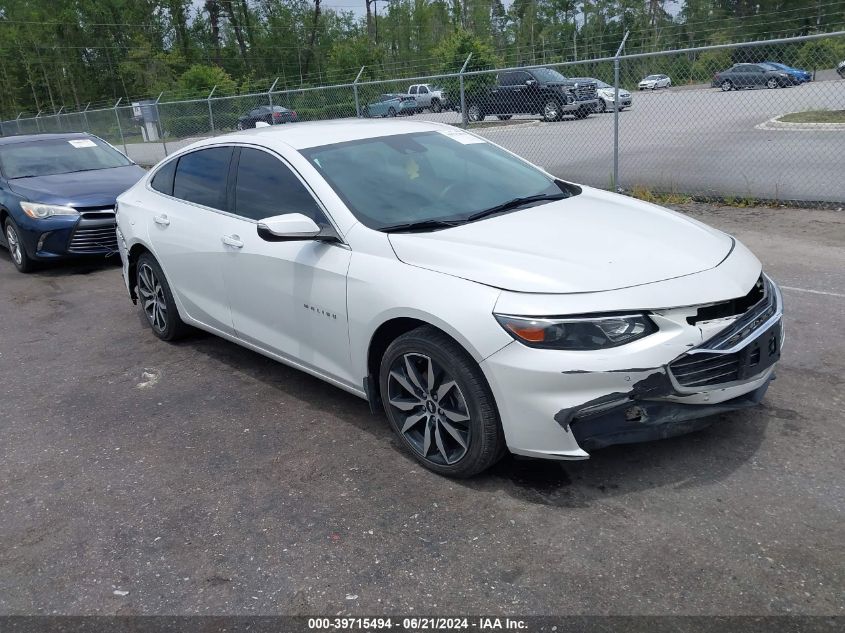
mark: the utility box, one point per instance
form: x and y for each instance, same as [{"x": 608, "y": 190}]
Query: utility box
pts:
[{"x": 145, "y": 114}]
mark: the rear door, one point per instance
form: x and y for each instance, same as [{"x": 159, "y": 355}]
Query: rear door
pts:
[
  {"x": 288, "y": 298},
  {"x": 185, "y": 233}
]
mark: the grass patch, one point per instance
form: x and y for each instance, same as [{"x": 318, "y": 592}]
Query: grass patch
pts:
[
  {"x": 814, "y": 116},
  {"x": 659, "y": 197}
]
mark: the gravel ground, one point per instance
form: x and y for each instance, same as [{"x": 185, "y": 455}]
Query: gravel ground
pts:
[{"x": 204, "y": 478}]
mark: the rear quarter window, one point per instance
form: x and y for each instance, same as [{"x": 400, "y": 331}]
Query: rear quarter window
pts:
[{"x": 162, "y": 180}]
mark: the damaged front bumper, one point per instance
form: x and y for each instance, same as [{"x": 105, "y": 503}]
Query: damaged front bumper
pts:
[{"x": 673, "y": 382}]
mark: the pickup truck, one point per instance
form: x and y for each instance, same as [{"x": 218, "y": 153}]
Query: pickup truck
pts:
[
  {"x": 542, "y": 91},
  {"x": 428, "y": 96}
]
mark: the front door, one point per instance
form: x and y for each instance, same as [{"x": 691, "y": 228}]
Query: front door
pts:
[{"x": 288, "y": 298}]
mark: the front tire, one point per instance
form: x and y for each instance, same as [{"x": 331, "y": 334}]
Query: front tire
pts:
[
  {"x": 726, "y": 86},
  {"x": 22, "y": 261},
  {"x": 439, "y": 404},
  {"x": 157, "y": 300},
  {"x": 552, "y": 110}
]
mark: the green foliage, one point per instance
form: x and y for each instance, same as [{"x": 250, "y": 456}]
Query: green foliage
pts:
[
  {"x": 199, "y": 80},
  {"x": 821, "y": 54},
  {"x": 709, "y": 63}
]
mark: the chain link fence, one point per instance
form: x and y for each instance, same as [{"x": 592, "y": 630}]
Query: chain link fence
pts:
[{"x": 747, "y": 121}]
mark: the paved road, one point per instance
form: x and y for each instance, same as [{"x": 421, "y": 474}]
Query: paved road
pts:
[
  {"x": 203, "y": 478},
  {"x": 698, "y": 141}
]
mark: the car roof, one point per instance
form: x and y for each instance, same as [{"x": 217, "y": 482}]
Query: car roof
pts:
[
  {"x": 313, "y": 134},
  {"x": 28, "y": 138}
]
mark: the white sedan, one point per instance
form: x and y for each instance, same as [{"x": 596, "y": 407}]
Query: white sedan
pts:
[
  {"x": 653, "y": 82},
  {"x": 485, "y": 305}
]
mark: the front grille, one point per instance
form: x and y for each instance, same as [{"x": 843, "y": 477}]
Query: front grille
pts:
[
  {"x": 585, "y": 92},
  {"x": 701, "y": 370},
  {"x": 757, "y": 314},
  {"x": 96, "y": 213},
  {"x": 97, "y": 239}
]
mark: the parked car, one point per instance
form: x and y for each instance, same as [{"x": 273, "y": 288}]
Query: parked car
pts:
[
  {"x": 799, "y": 75},
  {"x": 542, "y": 91},
  {"x": 57, "y": 196},
  {"x": 653, "y": 82},
  {"x": 751, "y": 76},
  {"x": 391, "y": 105},
  {"x": 483, "y": 304},
  {"x": 274, "y": 115},
  {"x": 840, "y": 69},
  {"x": 606, "y": 95},
  {"x": 429, "y": 96}
]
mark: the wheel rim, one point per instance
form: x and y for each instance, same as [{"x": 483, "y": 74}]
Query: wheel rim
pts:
[
  {"x": 14, "y": 244},
  {"x": 432, "y": 411},
  {"x": 391, "y": 112},
  {"x": 772, "y": 83},
  {"x": 550, "y": 110},
  {"x": 240, "y": 125},
  {"x": 152, "y": 295},
  {"x": 474, "y": 113},
  {"x": 726, "y": 86}
]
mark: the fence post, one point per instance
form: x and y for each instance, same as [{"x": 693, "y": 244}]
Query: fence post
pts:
[
  {"x": 355, "y": 90},
  {"x": 159, "y": 124},
  {"x": 119, "y": 127},
  {"x": 18, "y": 122},
  {"x": 37, "y": 122},
  {"x": 85, "y": 116},
  {"x": 616, "y": 114},
  {"x": 270, "y": 95},
  {"x": 463, "y": 96},
  {"x": 59, "y": 117},
  {"x": 210, "y": 113}
]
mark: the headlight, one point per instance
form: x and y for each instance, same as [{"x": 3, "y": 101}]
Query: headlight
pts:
[
  {"x": 577, "y": 333},
  {"x": 42, "y": 211}
]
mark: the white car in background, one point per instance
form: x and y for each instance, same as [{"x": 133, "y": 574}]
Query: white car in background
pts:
[
  {"x": 653, "y": 82},
  {"x": 482, "y": 303},
  {"x": 607, "y": 94}
]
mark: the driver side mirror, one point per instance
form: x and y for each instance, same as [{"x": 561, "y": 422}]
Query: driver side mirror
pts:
[
  {"x": 530, "y": 82},
  {"x": 287, "y": 228}
]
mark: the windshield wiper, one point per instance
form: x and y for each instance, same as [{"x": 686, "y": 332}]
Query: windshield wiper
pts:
[
  {"x": 515, "y": 204},
  {"x": 422, "y": 225}
]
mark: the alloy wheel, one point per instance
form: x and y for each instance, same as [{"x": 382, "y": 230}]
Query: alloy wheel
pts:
[
  {"x": 772, "y": 83},
  {"x": 152, "y": 295},
  {"x": 14, "y": 244},
  {"x": 726, "y": 86},
  {"x": 431, "y": 409},
  {"x": 550, "y": 110},
  {"x": 474, "y": 113}
]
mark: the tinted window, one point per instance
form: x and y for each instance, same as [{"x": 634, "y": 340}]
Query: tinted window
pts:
[
  {"x": 201, "y": 177},
  {"x": 163, "y": 179},
  {"x": 267, "y": 187},
  {"x": 413, "y": 90},
  {"x": 58, "y": 156},
  {"x": 423, "y": 90},
  {"x": 507, "y": 79}
]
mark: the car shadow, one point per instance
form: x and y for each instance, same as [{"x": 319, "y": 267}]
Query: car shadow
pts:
[
  {"x": 67, "y": 267},
  {"x": 689, "y": 461}
]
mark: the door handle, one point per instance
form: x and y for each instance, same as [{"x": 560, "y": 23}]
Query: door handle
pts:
[
  {"x": 233, "y": 240},
  {"x": 162, "y": 220}
]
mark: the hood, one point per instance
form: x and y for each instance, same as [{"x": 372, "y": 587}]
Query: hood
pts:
[
  {"x": 95, "y": 188},
  {"x": 591, "y": 242}
]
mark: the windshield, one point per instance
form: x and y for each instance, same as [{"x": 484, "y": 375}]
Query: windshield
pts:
[
  {"x": 548, "y": 75},
  {"x": 49, "y": 157},
  {"x": 652, "y": 78},
  {"x": 425, "y": 176}
]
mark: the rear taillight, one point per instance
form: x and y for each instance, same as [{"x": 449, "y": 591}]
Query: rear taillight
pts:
[
  {"x": 277, "y": 115},
  {"x": 293, "y": 112}
]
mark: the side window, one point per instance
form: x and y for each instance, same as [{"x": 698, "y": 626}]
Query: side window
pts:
[
  {"x": 267, "y": 187},
  {"x": 163, "y": 179},
  {"x": 423, "y": 90},
  {"x": 412, "y": 90},
  {"x": 201, "y": 177},
  {"x": 520, "y": 78},
  {"x": 506, "y": 79}
]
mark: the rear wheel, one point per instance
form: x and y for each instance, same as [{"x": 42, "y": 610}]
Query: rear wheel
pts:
[
  {"x": 240, "y": 125},
  {"x": 474, "y": 113},
  {"x": 391, "y": 112},
  {"x": 20, "y": 259},
  {"x": 157, "y": 300},
  {"x": 439, "y": 404},
  {"x": 772, "y": 83},
  {"x": 602, "y": 105},
  {"x": 551, "y": 110}
]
